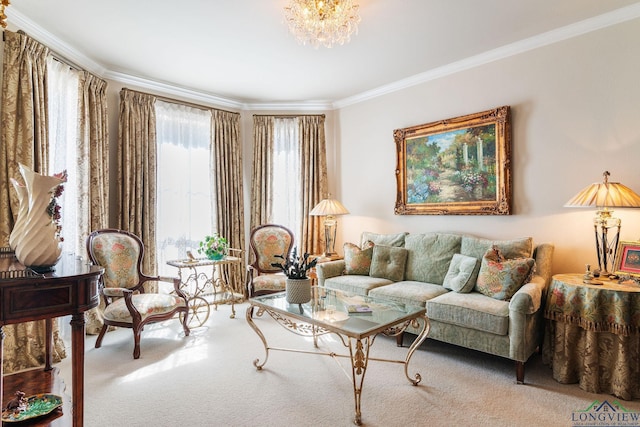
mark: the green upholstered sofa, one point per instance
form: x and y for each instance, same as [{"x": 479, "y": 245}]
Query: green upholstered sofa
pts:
[{"x": 429, "y": 269}]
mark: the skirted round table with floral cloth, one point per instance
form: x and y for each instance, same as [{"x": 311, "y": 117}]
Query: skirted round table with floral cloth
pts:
[{"x": 592, "y": 335}]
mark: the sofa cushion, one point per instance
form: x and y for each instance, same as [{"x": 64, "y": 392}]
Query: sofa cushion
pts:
[
  {"x": 384, "y": 239},
  {"x": 409, "y": 292},
  {"x": 356, "y": 260},
  {"x": 429, "y": 256},
  {"x": 458, "y": 277},
  {"x": 388, "y": 262},
  {"x": 476, "y": 247},
  {"x": 500, "y": 278},
  {"x": 360, "y": 285},
  {"x": 472, "y": 310}
]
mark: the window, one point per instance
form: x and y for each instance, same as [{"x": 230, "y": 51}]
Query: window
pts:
[
  {"x": 185, "y": 212},
  {"x": 62, "y": 93},
  {"x": 62, "y": 88},
  {"x": 287, "y": 188}
]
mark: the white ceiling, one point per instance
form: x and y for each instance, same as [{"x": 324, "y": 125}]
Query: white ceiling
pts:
[{"x": 240, "y": 50}]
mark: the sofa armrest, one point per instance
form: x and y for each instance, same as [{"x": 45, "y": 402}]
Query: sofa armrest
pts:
[
  {"x": 329, "y": 269},
  {"x": 528, "y": 299}
]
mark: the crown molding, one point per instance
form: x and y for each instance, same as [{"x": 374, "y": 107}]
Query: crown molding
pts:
[
  {"x": 615, "y": 17},
  {"x": 80, "y": 60},
  {"x": 195, "y": 96},
  {"x": 67, "y": 52},
  {"x": 294, "y": 106}
]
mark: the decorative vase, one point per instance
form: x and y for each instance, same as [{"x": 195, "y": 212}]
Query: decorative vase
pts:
[
  {"x": 298, "y": 290},
  {"x": 35, "y": 238},
  {"x": 23, "y": 207}
]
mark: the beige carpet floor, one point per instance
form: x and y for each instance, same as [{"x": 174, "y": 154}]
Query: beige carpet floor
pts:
[{"x": 208, "y": 379}]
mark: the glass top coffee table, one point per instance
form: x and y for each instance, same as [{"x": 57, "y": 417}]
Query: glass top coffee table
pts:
[{"x": 355, "y": 319}]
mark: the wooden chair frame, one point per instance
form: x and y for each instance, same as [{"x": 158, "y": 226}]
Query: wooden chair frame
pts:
[
  {"x": 254, "y": 269},
  {"x": 109, "y": 294}
]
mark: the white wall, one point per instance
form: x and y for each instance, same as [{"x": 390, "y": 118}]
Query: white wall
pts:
[{"x": 575, "y": 113}]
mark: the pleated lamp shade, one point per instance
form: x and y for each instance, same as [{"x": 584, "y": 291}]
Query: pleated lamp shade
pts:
[
  {"x": 329, "y": 207},
  {"x": 605, "y": 195}
]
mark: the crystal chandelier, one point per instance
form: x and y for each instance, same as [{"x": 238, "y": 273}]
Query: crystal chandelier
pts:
[
  {"x": 3, "y": 16},
  {"x": 322, "y": 22}
]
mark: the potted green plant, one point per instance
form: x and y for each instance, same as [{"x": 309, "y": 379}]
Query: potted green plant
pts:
[
  {"x": 214, "y": 247},
  {"x": 296, "y": 267}
]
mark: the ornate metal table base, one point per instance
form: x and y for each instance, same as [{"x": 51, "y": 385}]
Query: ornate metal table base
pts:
[
  {"x": 204, "y": 290},
  {"x": 358, "y": 347}
]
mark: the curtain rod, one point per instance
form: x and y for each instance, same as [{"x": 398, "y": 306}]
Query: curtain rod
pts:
[
  {"x": 54, "y": 55},
  {"x": 175, "y": 101},
  {"x": 285, "y": 116},
  {"x": 65, "y": 62}
]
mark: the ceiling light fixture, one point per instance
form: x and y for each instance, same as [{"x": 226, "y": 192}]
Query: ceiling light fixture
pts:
[
  {"x": 322, "y": 22},
  {"x": 3, "y": 17}
]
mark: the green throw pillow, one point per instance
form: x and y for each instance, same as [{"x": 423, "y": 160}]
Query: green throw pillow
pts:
[
  {"x": 357, "y": 261},
  {"x": 458, "y": 277},
  {"x": 500, "y": 278},
  {"x": 388, "y": 262}
]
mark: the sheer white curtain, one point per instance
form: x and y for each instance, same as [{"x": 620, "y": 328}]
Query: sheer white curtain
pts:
[
  {"x": 287, "y": 187},
  {"x": 185, "y": 212},
  {"x": 62, "y": 92}
]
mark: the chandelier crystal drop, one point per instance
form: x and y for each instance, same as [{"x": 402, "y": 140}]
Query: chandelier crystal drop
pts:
[{"x": 322, "y": 22}]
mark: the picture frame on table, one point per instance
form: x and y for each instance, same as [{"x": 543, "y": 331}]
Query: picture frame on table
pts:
[
  {"x": 457, "y": 166},
  {"x": 627, "y": 261}
]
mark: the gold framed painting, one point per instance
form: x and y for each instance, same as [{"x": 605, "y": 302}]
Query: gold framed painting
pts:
[
  {"x": 458, "y": 166},
  {"x": 627, "y": 261}
]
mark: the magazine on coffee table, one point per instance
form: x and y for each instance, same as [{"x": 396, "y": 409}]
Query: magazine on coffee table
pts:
[{"x": 359, "y": 309}]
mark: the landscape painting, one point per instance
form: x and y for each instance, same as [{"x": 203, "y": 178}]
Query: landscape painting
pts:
[{"x": 455, "y": 166}]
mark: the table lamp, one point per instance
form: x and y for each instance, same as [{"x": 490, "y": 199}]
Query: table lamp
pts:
[
  {"x": 329, "y": 208},
  {"x": 605, "y": 195}
]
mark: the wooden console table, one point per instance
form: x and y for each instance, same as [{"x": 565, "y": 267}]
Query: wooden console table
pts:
[
  {"x": 72, "y": 288},
  {"x": 593, "y": 335}
]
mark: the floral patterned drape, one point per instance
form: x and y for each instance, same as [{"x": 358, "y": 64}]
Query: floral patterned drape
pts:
[
  {"x": 24, "y": 119},
  {"x": 313, "y": 160},
  {"x": 94, "y": 140},
  {"x": 313, "y": 179},
  {"x": 24, "y": 140},
  {"x": 262, "y": 175},
  {"x": 137, "y": 171},
  {"x": 93, "y": 164},
  {"x": 226, "y": 156}
]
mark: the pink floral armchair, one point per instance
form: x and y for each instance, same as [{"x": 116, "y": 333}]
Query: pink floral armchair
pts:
[
  {"x": 128, "y": 304},
  {"x": 266, "y": 241}
]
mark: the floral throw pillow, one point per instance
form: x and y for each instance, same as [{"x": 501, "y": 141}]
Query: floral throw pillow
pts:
[
  {"x": 500, "y": 278},
  {"x": 358, "y": 260}
]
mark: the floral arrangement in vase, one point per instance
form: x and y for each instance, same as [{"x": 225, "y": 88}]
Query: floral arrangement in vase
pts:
[
  {"x": 53, "y": 209},
  {"x": 296, "y": 266},
  {"x": 214, "y": 247}
]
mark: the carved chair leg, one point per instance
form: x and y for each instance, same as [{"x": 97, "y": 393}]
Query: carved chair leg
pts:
[
  {"x": 399, "y": 339},
  {"x": 136, "y": 343},
  {"x": 185, "y": 326},
  {"x": 520, "y": 372},
  {"x": 101, "y": 335}
]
